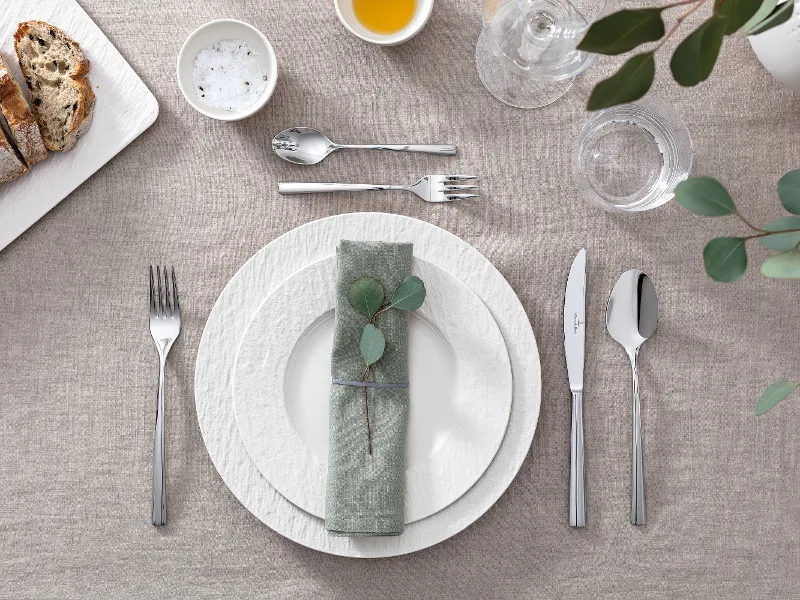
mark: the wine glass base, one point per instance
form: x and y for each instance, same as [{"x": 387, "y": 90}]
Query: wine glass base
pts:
[{"x": 512, "y": 88}]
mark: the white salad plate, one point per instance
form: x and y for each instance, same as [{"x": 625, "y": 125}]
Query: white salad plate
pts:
[
  {"x": 259, "y": 277},
  {"x": 459, "y": 389},
  {"x": 123, "y": 109}
]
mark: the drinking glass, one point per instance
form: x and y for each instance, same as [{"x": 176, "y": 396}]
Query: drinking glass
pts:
[
  {"x": 526, "y": 54},
  {"x": 629, "y": 158}
]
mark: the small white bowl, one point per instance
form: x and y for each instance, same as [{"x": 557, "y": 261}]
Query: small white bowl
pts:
[
  {"x": 211, "y": 33},
  {"x": 344, "y": 10}
]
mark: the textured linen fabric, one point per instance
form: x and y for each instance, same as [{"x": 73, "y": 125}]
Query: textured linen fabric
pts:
[
  {"x": 78, "y": 368},
  {"x": 366, "y": 491}
]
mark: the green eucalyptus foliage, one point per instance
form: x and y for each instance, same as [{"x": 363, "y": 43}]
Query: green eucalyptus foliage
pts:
[
  {"x": 693, "y": 59},
  {"x": 366, "y": 296},
  {"x": 725, "y": 258}
]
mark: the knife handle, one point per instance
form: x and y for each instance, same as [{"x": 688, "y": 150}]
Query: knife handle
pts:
[{"x": 577, "y": 484}]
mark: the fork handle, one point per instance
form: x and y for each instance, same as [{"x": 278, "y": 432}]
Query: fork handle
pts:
[
  {"x": 445, "y": 150},
  {"x": 159, "y": 479},
  {"x": 287, "y": 187}
]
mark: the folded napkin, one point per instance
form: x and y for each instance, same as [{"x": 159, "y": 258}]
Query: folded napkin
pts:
[{"x": 366, "y": 492}]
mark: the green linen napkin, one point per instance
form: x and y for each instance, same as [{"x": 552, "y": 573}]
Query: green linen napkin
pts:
[{"x": 366, "y": 492}]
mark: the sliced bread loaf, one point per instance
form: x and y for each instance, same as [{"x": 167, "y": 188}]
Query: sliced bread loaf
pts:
[
  {"x": 55, "y": 71},
  {"x": 24, "y": 130},
  {"x": 11, "y": 165}
]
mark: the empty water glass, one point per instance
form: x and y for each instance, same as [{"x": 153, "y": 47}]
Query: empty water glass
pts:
[{"x": 630, "y": 157}]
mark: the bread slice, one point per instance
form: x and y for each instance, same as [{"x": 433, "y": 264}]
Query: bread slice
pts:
[
  {"x": 55, "y": 71},
  {"x": 11, "y": 164},
  {"x": 24, "y": 130}
]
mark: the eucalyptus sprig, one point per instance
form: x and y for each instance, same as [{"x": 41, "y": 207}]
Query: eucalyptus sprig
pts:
[
  {"x": 693, "y": 59},
  {"x": 725, "y": 258},
  {"x": 367, "y": 296}
]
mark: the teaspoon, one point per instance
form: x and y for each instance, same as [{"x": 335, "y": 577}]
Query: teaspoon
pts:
[
  {"x": 631, "y": 318},
  {"x": 306, "y": 146}
]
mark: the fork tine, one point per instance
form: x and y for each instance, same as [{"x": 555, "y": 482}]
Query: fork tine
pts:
[
  {"x": 152, "y": 291},
  {"x": 160, "y": 298},
  {"x": 169, "y": 308},
  {"x": 460, "y": 177},
  {"x": 458, "y": 188},
  {"x": 460, "y": 196},
  {"x": 176, "y": 307}
]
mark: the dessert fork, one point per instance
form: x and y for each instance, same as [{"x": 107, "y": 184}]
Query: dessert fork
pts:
[
  {"x": 165, "y": 326},
  {"x": 431, "y": 188}
]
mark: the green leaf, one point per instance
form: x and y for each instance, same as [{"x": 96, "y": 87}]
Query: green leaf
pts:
[
  {"x": 630, "y": 83},
  {"x": 781, "y": 14},
  {"x": 623, "y": 31},
  {"x": 789, "y": 191},
  {"x": 695, "y": 56},
  {"x": 766, "y": 8},
  {"x": 725, "y": 258},
  {"x": 783, "y": 266},
  {"x": 738, "y": 12},
  {"x": 782, "y": 242},
  {"x": 774, "y": 394},
  {"x": 705, "y": 196},
  {"x": 366, "y": 296},
  {"x": 410, "y": 294},
  {"x": 372, "y": 344}
]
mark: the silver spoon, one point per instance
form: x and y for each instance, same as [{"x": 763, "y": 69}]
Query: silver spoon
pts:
[
  {"x": 306, "y": 146},
  {"x": 631, "y": 318}
]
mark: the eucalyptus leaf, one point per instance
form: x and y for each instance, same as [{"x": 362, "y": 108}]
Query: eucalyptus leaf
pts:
[
  {"x": 410, "y": 294},
  {"x": 738, "y": 12},
  {"x": 628, "y": 84},
  {"x": 781, "y": 14},
  {"x": 695, "y": 56},
  {"x": 782, "y": 242},
  {"x": 623, "y": 31},
  {"x": 725, "y": 258},
  {"x": 372, "y": 344},
  {"x": 366, "y": 296},
  {"x": 766, "y": 8},
  {"x": 774, "y": 394},
  {"x": 789, "y": 191},
  {"x": 705, "y": 196},
  {"x": 783, "y": 266}
]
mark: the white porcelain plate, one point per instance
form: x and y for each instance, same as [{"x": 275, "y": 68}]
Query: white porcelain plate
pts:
[
  {"x": 259, "y": 277},
  {"x": 460, "y": 389}
]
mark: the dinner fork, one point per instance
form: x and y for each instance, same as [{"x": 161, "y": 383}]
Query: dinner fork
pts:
[
  {"x": 165, "y": 326},
  {"x": 431, "y": 188}
]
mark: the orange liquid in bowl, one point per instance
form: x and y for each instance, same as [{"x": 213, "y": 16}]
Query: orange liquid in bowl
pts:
[{"x": 384, "y": 16}]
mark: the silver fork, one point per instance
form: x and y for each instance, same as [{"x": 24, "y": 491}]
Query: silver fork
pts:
[
  {"x": 165, "y": 326},
  {"x": 431, "y": 188}
]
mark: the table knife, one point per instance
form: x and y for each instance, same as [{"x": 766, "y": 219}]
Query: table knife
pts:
[{"x": 574, "y": 344}]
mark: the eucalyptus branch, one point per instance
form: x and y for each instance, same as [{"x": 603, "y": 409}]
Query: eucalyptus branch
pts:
[
  {"x": 751, "y": 226},
  {"x": 680, "y": 19}
]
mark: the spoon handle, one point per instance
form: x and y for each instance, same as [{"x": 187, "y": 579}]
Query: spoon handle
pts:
[
  {"x": 577, "y": 487},
  {"x": 638, "y": 516},
  {"x": 427, "y": 148}
]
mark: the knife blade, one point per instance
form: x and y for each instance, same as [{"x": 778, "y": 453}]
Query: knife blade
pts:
[{"x": 574, "y": 347}]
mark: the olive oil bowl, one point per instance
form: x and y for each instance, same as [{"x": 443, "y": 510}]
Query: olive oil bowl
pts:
[{"x": 384, "y": 22}]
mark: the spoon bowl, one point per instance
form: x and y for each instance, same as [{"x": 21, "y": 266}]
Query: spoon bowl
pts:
[{"x": 631, "y": 319}]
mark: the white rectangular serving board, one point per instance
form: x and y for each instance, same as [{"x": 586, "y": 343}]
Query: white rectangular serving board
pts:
[{"x": 124, "y": 108}]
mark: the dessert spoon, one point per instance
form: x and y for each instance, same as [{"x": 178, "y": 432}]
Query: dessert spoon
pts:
[{"x": 307, "y": 146}]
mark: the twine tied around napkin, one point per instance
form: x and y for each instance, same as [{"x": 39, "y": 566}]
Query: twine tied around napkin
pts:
[{"x": 366, "y": 492}]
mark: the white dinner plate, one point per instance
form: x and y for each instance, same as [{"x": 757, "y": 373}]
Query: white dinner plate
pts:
[
  {"x": 459, "y": 389},
  {"x": 258, "y": 277}
]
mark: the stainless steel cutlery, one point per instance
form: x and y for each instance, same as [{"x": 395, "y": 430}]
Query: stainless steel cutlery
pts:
[
  {"x": 165, "y": 327},
  {"x": 574, "y": 345},
  {"x": 307, "y": 146},
  {"x": 431, "y": 188},
  {"x": 631, "y": 318}
]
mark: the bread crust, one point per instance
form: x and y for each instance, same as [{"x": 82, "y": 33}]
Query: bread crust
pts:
[
  {"x": 82, "y": 117},
  {"x": 20, "y": 119}
]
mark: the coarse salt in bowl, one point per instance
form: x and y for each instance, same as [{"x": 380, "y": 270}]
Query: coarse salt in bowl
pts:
[{"x": 215, "y": 58}]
